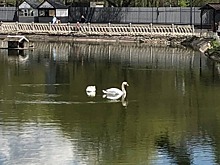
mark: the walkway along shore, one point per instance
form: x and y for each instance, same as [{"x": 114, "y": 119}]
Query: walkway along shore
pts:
[{"x": 144, "y": 33}]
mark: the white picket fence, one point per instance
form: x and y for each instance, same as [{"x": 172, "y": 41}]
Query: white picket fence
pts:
[{"x": 97, "y": 29}]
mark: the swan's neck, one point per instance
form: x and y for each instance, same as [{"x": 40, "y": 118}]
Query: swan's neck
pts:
[{"x": 123, "y": 89}]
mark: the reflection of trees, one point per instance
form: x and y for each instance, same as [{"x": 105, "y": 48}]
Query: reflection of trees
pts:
[
  {"x": 179, "y": 154},
  {"x": 212, "y": 74}
]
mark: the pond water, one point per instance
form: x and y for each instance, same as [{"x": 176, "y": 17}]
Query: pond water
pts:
[{"x": 171, "y": 114}]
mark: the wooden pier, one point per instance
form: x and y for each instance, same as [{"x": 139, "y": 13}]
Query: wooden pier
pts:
[{"x": 98, "y": 29}]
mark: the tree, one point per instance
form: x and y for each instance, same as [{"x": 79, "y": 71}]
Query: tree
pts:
[
  {"x": 184, "y": 3},
  {"x": 119, "y": 3},
  {"x": 137, "y": 3}
]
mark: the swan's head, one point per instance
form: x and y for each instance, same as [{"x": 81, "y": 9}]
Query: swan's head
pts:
[{"x": 125, "y": 83}]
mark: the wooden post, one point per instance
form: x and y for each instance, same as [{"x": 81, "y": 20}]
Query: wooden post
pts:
[
  {"x": 16, "y": 27},
  {"x": 130, "y": 28},
  {"x": 89, "y": 26},
  {"x": 33, "y": 30},
  {"x": 193, "y": 30},
  {"x": 151, "y": 29},
  {"x": 172, "y": 29},
  {"x": 1, "y": 27},
  {"x": 50, "y": 27},
  {"x": 69, "y": 30},
  {"x": 109, "y": 29}
]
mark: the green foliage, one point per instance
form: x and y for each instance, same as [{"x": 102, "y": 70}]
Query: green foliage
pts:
[
  {"x": 215, "y": 44},
  {"x": 215, "y": 47},
  {"x": 184, "y": 3}
]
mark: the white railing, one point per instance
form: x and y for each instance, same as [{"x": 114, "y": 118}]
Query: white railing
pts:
[{"x": 97, "y": 29}]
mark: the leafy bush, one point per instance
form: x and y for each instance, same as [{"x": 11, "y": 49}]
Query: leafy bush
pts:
[{"x": 215, "y": 44}]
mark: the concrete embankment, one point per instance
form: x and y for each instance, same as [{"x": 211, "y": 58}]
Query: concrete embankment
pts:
[
  {"x": 193, "y": 42},
  {"x": 159, "y": 41},
  {"x": 197, "y": 43}
]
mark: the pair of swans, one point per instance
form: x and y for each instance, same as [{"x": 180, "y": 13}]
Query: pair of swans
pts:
[{"x": 110, "y": 93}]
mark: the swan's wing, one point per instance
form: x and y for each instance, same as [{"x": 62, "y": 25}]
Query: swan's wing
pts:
[
  {"x": 109, "y": 91},
  {"x": 113, "y": 91},
  {"x": 111, "y": 97}
]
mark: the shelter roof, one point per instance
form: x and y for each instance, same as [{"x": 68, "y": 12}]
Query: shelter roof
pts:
[
  {"x": 209, "y": 6},
  {"x": 33, "y": 3},
  {"x": 16, "y": 38},
  {"x": 55, "y": 4}
]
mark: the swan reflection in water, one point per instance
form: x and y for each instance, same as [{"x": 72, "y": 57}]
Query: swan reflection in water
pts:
[
  {"x": 118, "y": 98},
  {"x": 19, "y": 59},
  {"x": 23, "y": 58}
]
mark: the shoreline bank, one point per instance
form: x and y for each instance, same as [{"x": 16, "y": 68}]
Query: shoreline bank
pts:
[
  {"x": 196, "y": 43},
  {"x": 164, "y": 41}
]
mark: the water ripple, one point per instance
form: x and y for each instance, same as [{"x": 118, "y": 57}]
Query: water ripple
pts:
[{"x": 37, "y": 85}]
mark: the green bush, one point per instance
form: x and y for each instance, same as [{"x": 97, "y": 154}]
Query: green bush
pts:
[{"x": 215, "y": 44}]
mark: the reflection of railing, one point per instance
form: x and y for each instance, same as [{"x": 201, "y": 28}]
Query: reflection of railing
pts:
[
  {"x": 139, "y": 56},
  {"x": 132, "y": 55},
  {"x": 98, "y": 29}
]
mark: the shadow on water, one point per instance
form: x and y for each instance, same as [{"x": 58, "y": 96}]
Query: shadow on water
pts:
[{"x": 169, "y": 116}]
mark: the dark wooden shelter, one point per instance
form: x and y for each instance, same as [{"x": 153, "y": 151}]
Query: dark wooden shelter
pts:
[
  {"x": 16, "y": 42},
  {"x": 212, "y": 11}
]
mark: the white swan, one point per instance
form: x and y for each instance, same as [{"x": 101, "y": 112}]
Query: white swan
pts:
[
  {"x": 116, "y": 93},
  {"x": 91, "y": 91}
]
